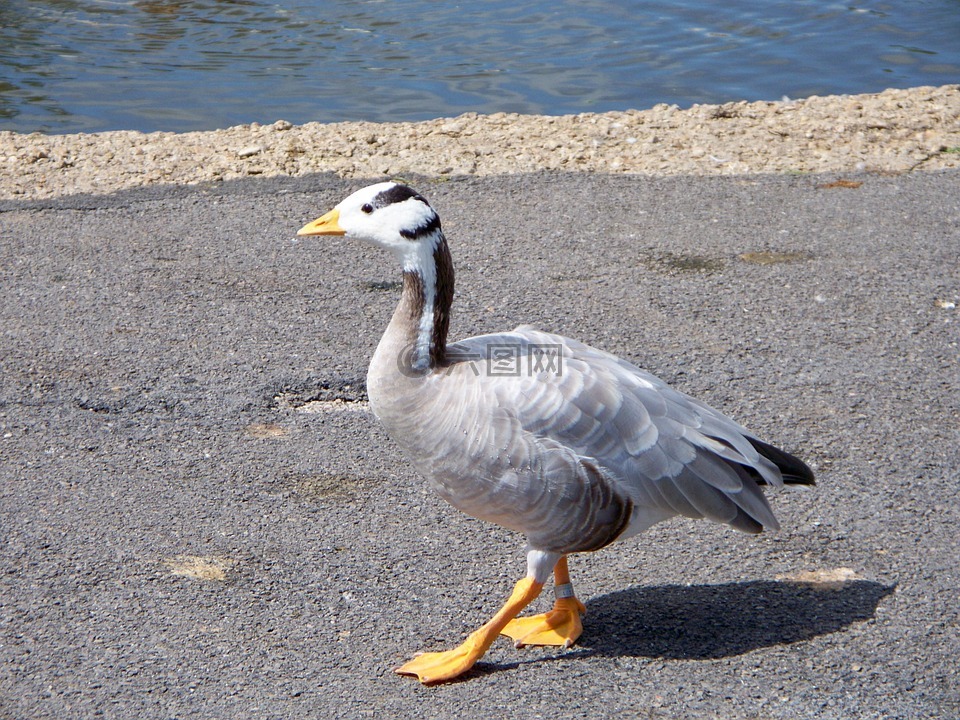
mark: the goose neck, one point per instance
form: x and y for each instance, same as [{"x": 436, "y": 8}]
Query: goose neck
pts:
[{"x": 422, "y": 318}]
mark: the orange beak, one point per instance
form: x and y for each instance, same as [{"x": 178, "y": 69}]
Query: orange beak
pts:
[{"x": 326, "y": 225}]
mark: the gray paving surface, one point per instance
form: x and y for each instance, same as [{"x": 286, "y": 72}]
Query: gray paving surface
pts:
[{"x": 159, "y": 349}]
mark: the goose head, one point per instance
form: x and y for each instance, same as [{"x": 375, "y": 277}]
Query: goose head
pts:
[
  {"x": 387, "y": 214},
  {"x": 396, "y": 217}
]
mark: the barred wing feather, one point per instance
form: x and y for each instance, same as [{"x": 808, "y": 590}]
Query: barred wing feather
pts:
[{"x": 667, "y": 452}]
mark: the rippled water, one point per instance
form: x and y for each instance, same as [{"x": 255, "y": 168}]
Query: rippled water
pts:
[{"x": 69, "y": 66}]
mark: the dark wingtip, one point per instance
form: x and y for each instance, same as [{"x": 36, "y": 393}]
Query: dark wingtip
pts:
[
  {"x": 794, "y": 470},
  {"x": 745, "y": 523}
]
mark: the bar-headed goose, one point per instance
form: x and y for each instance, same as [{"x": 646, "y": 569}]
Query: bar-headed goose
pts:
[{"x": 541, "y": 434}]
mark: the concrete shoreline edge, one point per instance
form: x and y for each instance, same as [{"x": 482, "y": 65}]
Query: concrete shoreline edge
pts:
[{"x": 894, "y": 131}]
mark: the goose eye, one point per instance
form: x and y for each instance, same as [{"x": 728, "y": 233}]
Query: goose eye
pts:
[{"x": 367, "y": 208}]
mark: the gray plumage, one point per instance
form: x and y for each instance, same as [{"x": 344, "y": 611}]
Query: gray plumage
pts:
[{"x": 573, "y": 456}]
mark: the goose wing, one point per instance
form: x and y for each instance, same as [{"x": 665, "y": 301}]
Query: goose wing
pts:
[{"x": 599, "y": 420}]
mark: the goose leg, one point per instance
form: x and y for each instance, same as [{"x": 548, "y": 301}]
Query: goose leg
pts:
[
  {"x": 435, "y": 667},
  {"x": 561, "y": 626}
]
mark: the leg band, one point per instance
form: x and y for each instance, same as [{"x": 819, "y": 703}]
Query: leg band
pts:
[{"x": 563, "y": 591}]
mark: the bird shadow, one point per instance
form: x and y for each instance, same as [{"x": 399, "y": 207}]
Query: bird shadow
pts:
[
  {"x": 708, "y": 622},
  {"x": 704, "y": 622}
]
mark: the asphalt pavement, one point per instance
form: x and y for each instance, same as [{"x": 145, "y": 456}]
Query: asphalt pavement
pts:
[{"x": 200, "y": 518}]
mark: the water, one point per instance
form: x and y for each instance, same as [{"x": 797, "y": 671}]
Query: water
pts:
[{"x": 72, "y": 66}]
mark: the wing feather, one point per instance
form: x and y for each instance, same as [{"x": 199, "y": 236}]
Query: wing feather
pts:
[{"x": 589, "y": 429}]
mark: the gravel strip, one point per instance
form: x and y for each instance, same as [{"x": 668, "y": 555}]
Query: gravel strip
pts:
[{"x": 893, "y": 131}]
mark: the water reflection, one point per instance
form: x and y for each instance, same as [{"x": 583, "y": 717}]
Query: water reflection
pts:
[{"x": 68, "y": 66}]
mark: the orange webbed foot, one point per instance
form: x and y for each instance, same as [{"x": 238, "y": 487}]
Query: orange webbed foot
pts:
[
  {"x": 559, "y": 627},
  {"x": 436, "y": 667}
]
